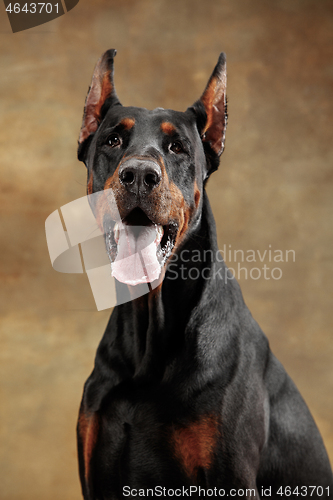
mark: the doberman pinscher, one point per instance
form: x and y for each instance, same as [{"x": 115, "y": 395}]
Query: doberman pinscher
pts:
[{"x": 185, "y": 398}]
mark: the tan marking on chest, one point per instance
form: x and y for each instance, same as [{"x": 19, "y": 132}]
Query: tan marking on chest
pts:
[
  {"x": 88, "y": 430},
  {"x": 194, "y": 445}
]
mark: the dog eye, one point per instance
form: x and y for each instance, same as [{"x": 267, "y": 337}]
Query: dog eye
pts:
[
  {"x": 114, "y": 140},
  {"x": 176, "y": 147}
]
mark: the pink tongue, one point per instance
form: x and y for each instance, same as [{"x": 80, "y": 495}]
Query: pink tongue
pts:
[{"x": 136, "y": 260}]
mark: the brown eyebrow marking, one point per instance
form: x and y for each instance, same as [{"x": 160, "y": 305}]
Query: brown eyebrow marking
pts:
[
  {"x": 127, "y": 123},
  {"x": 168, "y": 128}
]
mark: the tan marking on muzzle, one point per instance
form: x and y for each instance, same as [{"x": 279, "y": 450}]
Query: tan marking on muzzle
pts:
[
  {"x": 90, "y": 183},
  {"x": 197, "y": 194}
]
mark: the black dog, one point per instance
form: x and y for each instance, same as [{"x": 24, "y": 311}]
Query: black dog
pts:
[{"x": 185, "y": 394}]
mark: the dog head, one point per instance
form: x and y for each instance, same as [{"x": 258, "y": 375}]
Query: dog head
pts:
[{"x": 149, "y": 168}]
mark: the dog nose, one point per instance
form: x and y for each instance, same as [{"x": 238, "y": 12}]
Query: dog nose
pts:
[{"x": 140, "y": 176}]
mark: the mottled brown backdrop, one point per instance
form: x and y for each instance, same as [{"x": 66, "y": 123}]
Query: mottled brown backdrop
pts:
[{"x": 273, "y": 191}]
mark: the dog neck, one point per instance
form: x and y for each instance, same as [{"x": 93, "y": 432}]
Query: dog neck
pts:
[{"x": 163, "y": 323}]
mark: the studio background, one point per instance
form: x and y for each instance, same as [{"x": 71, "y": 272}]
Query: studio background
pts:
[{"x": 273, "y": 191}]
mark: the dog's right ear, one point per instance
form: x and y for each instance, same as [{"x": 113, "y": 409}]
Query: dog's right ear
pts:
[{"x": 101, "y": 96}]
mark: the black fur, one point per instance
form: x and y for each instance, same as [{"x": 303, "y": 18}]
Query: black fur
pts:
[{"x": 186, "y": 369}]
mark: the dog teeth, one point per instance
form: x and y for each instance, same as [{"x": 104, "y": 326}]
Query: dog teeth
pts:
[
  {"x": 159, "y": 233},
  {"x": 116, "y": 232}
]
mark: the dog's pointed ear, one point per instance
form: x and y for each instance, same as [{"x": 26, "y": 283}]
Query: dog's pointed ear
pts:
[
  {"x": 101, "y": 91},
  {"x": 213, "y": 101}
]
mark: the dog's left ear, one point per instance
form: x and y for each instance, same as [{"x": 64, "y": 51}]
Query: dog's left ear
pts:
[
  {"x": 101, "y": 95},
  {"x": 211, "y": 109}
]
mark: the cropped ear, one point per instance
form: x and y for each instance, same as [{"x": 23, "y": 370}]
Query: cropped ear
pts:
[
  {"x": 101, "y": 90},
  {"x": 214, "y": 100}
]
